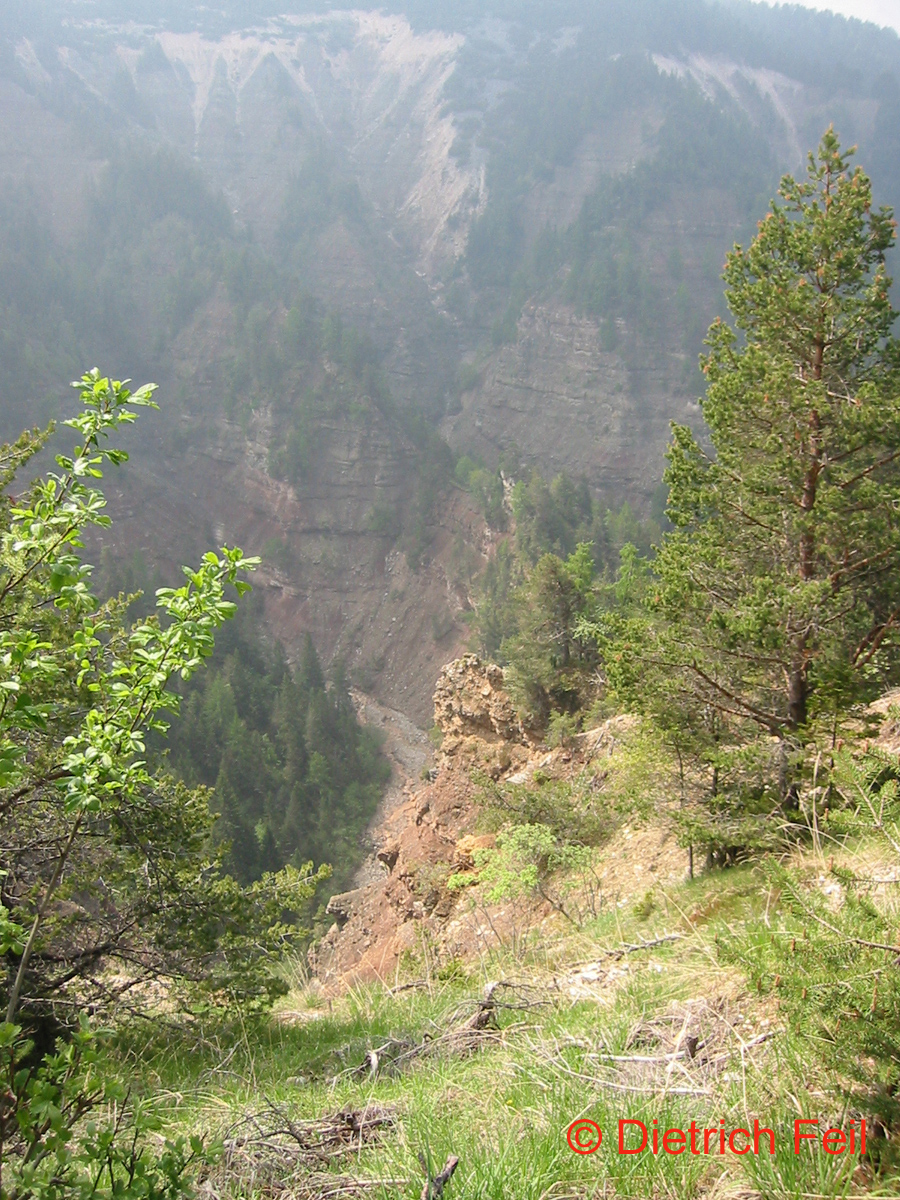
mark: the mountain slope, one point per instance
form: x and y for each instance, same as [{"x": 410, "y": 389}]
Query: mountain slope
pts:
[{"x": 334, "y": 234}]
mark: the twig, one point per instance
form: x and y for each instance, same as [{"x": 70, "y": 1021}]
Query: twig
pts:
[
  {"x": 39, "y": 916},
  {"x": 854, "y": 940},
  {"x": 757, "y": 1041},
  {"x": 434, "y": 1188},
  {"x": 558, "y": 1065},
  {"x": 640, "y": 1058},
  {"x": 633, "y": 947}
]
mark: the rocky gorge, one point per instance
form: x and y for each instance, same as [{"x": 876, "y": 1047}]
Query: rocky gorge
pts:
[{"x": 533, "y": 276}]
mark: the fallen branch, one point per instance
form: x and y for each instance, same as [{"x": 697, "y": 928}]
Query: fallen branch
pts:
[
  {"x": 273, "y": 1133},
  {"x": 434, "y": 1188},
  {"x": 692, "y": 1052},
  {"x": 650, "y": 1087},
  {"x": 641, "y": 1058},
  {"x": 308, "y": 1186},
  {"x": 479, "y": 1028},
  {"x": 632, "y": 948}
]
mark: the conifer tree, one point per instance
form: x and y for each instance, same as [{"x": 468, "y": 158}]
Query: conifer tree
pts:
[
  {"x": 773, "y": 606},
  {"x": 780, "y": 583}
]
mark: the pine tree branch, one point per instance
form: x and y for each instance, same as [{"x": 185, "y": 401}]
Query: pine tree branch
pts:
[
  {"x": 873, "y": 640},
  {"x": 772, "y": 721},
  {"x": 882, "y": 462}
]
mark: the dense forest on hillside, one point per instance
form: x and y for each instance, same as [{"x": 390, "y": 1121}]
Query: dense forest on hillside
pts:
[
  {"x": 156, "y": 236},
  {"x": 293, "y": 777},
  {"x": 612, "y": 269},
  {"x": 151, "y": 249},
  {"x": 425, "y": 289},
  {"x": 733, "y": 662}
]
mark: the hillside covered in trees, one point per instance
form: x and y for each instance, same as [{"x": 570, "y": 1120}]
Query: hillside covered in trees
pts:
[
  {"x": 425, "y": 292},
  {"x": 353, "y": 248}
]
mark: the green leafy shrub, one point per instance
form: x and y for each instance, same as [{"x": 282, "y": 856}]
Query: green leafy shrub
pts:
[
  {"x": 128, "y": 879},
  {"x": 523, "y": 857},
  {"x": 106, "y": 880},
  {"x": 533, "y": 860},
  {"x": 574, "y": 810},
  {"x": 562, "y": 728},
  {"x": 66, "y": 1131}
]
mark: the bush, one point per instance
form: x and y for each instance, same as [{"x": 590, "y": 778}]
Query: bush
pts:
[
  {"x": 106, "y": 879},
  {"x": 49, "y": 1151},
  {"x": 573, "y": 811}
]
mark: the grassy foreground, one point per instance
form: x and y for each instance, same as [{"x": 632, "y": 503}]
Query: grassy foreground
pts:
[{"x": 493, "y": 1061}]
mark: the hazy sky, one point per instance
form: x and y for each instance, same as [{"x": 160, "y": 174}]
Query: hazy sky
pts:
[{"x": 882, "y": 12}]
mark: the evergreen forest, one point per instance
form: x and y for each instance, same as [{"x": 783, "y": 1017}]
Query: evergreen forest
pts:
[{"x": 450, "y": 718}]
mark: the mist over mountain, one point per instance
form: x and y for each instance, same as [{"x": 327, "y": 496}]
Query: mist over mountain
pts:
[
  {"x": 550, "y": 770},
  {"x": 355, "y": 245}
]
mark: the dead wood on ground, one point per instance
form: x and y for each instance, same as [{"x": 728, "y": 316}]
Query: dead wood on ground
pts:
[
  {"x": 434, "y": 1188},
  {"x": 269, "y": 1153},
  {"x": 468, "y": 1031}
]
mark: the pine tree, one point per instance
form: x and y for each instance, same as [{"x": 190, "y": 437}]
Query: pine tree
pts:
[
  {"x": 309, "y": 671},
  {"x": 772, "y": 608},
  {"x": 779, "y": 585}
]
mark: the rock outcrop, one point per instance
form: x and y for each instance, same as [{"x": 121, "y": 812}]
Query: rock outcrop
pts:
[
  {"x": 427, "y": 836},
  {"x": 404, "y": 912},
  {"x": 469, "y": 701}
]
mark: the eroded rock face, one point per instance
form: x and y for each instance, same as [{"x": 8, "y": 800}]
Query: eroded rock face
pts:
[
  {"x": 338, "y": 576},
  {"x": 469, "y": 701},
  {"x": 566, "y": 403},
  {"x": 344, "y": 904},
  {"x": 430, "y": 834},
  {"x": 479, "y": 723},
  {"x": 420, "y": 903}
]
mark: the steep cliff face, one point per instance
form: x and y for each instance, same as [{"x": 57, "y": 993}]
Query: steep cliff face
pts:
[
  {"x": 573, "y": 391},
  {"x": 251, "y": 106},
  {"x": 328, "y": 569},
  {"x": 328, "y": 135},
  {"x": 354, "y": 100},
  {"x": 503, "y": 206},
  {"x": 402, "y": 910},
  {"x": 566, "y": 403}
]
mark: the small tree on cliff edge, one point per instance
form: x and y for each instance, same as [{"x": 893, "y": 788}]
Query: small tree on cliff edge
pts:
[{"x": 775, "y": 602}]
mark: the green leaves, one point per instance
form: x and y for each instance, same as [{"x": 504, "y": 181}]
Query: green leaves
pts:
[
  {"x": 106, "y": 880},
  {"x": 830, "y": 953},
  {"x": 78, "y": 694},
  {"x": 12, "y": 934},
  {"x": 129, "y": 682},
  {"x": 132, "y": 684},
  {"x": 812, "y": 284},
  {"x": 57, "y": 1154},
  {"x": 783, "y": 565},
  {"x": 773, "y": 607}
]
